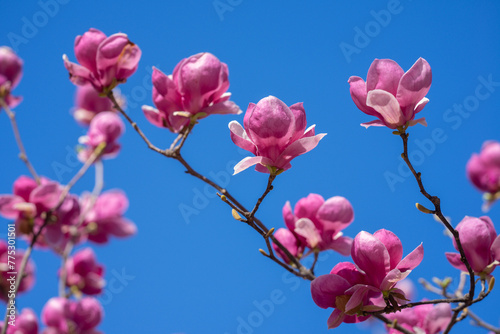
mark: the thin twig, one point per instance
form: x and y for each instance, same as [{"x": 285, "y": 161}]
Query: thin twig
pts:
[
  {"x": 437, "y": 205},
  {"x": 174, "y": 153},
  {"x": 22, "y": 152}
]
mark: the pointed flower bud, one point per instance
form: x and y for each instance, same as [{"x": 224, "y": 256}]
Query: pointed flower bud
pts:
[{"x": 10, "y": 74}]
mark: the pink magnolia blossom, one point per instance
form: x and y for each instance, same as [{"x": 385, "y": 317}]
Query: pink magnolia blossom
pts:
[
  {"x": 363, "y": 286},
  {"x": 64, "y": 316},
  {"x": 26, "y": 323},
  {"x": 483, "y": 170},
  {"x": 11, "y": 71},
  {"x": 29, "y": 205},
  {"x": 104, "y": 61},
  {"x": 391, "y": 95},
  {"x": 274, "y": 133},
  {"x": 427, "y": 318},
  {"x": 105, "y": 218},
  {"x": 105, "y": 128},
  {"x": 89, "y": 103},
  {"x": 290, "y": 242},
  {"x": 84, "y": 273},
  {"x": 481, "y": 245},
  {"x": 197, "y": 88},
  {"x": 6, "y": 280},
  {"x": 317, "y": 223}
]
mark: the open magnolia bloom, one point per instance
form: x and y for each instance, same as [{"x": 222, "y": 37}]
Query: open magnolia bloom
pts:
[
  {"x": 370, "y": 283},
  {"x": 274, "y": 133},
  {"x": 392, "y": 95},
  {"x": 196, "y": 89},
  {"x": 104, "y": 62}
]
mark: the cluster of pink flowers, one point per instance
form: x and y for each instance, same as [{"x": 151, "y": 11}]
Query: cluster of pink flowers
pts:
[
  {"x": 64, "y": 316},
  {"x": 368, "y": 284},
  {"x": 28, "y": 279},
  {"x": 316, "y": 224}
]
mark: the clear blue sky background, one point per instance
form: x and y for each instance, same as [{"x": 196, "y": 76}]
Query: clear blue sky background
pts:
[{"x": 201, "y": 274}]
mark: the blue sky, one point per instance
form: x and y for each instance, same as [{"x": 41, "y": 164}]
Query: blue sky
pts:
[{"x": 203, "y": 273}]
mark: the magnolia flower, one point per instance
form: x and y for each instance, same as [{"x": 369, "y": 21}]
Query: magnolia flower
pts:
[
  {"x": 11, "y": 71},
  {"x": 29, "y": 205},
  {"x": 483, "y": 170},
  {"x": 84, "y": 273},
  {"x": 26, "y": 323},
  {"x": 391, "y": 95},
  {"x": 64, "y": 316},
  {"x": 197, "y": 88},
  {"x": 480, "y": 243},
  {"x": 274, "y": 133},
  {"x": 369, "y": 283},
  {"x": 89, "y": 103},
  {"x": 105, "y": 128},
  {"x": 422, "y": 319},
  {"x": 318, "y": 223},
  {"x": 105, "y": 218},
  {"x": 104, "y": 61}
]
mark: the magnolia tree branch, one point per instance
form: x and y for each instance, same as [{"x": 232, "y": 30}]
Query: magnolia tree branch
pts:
[
  {"x": 22, "y": 152},
  {"x": 174, "y": 153},
  {"x": 48, "y": 217},
  {"x": 437, "y": 211}
]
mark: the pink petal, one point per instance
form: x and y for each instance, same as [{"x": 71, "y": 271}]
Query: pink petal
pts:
[
  {"x": 46, "y": 195},
  {"x": 454, "y": 259},
  {"x": 326, "y": 288},
  {"x": 438, "y": 318},
  {"x": 307, "y": 207},
  {"x": 358, "y": 94},
  {"x": 305, "y": 227},
  {"x": 300, "y": 120},
  {"x": 250, "y": 161},
  {"x": 240, "y": 138},
  {"x": 335, "y": 319},
  {"x": 376, "y": 122},
  {"x": 299, "y": 147},
  {"x": 384, "y": 74},
  {"x": 412, "y": 260},
  {"x": 342, "y": 245},
  {"x": 80, "y": 75},
  {"x": 7, "y": 206},
  {"x": 86, "y": 48},
  {"x": 288, "y": 216},
  {"x": 359, "y": 295},
  {"x": 418, "y": 121},
  {"x": 154, "y": 116},
  {"x": 336, "y": 213},
  {"x": 495, "y": 248},
  {"x": 394, "y": 276},
  {"x": 349, "y": 272},
  {"x": 226, "y": 107},
  {"x": 415, "y": 83},
  {"x": 388, "y": 107},
  {"x": 371, "y": 256},
  {"x": 393, "y": 245}
]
